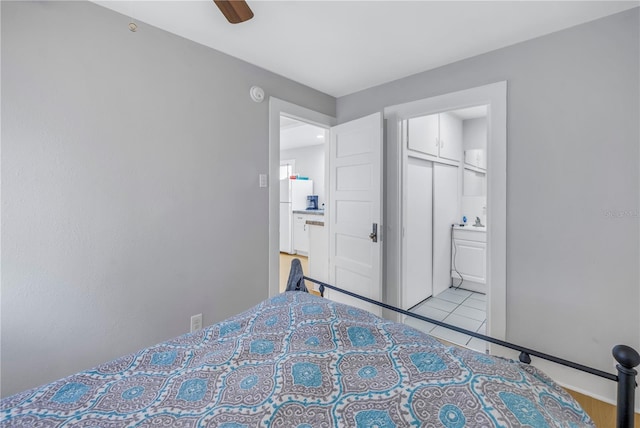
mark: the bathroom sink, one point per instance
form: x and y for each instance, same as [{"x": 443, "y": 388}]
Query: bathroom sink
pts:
[{"x": 471, "y": 228}]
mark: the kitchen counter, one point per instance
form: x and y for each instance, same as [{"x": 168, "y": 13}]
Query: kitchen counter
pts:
[{"x": 310, "y": 212}]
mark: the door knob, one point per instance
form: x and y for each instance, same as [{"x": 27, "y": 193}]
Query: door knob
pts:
[{"x": 374, "y": 233}]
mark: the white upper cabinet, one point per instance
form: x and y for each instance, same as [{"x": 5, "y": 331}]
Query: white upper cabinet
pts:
[
  {"x": 450, "y": 137},
  {"x": 438, "y": 135},
  {"x": 424, "y": 134},
  {"x": 475, "y": 157}
]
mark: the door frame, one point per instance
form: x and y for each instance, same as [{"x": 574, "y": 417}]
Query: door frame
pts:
[
  {"x": 278, "y": 107},
  {"x": 495, "y": 97}
]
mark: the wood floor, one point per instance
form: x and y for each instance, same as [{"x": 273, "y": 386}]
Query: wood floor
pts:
[{"x": 603, "y": 414}]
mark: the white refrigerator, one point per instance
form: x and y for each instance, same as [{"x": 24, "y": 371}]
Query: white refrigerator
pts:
[{"x": 293, "y": 197}]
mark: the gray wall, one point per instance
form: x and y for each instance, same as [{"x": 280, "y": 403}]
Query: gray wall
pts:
[
  {"x": 130, "y": 196},
  {"x": 572, "y": 180}
]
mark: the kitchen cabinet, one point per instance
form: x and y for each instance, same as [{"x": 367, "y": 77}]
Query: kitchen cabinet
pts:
[
  {"x": 300, "y": 234},
  {"x": 438, "y": 135},
  {"x": 318, "y": 250},
  {"x": 301, "y": 229},
  {"x": 469, "y": 258}
]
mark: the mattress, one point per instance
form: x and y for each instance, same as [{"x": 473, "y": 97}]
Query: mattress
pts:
[{"x": 298, "y": 360}]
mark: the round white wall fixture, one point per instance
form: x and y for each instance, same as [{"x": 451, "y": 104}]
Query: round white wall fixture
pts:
[{"x": 257, "y": 94}]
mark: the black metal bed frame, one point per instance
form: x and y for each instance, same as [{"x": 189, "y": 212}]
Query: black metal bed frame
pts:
[{"x": 627, "y": 357}]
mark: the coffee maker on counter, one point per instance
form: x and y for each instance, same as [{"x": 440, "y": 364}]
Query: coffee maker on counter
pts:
[{"x": 312, "y": 202}]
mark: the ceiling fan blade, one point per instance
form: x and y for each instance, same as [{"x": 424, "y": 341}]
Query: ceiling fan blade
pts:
[{"x": 235, "y": 11}]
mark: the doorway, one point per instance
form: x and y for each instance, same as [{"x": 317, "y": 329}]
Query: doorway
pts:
[
  {"x": 302, "y": 197},
  {"x": 492, "y": 95},
  {"x": 277, "y": 109},
  {"x": 445, "y": 241},
  {"x": 354, "y": 189},
  {"x": 444, "y": 202}
]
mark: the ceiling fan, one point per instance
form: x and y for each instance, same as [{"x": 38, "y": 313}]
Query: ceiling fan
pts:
[{"x": 235, "y": 11}]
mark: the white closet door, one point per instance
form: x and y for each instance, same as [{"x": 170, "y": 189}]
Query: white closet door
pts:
[
  {"x": 445, "y": 213},
  {"x": 418, "y": 278}
]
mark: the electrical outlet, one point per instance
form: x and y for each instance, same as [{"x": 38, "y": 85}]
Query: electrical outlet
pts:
[
  {"x": 264, "y": 182},
  {"x": 196, "y": 322}
]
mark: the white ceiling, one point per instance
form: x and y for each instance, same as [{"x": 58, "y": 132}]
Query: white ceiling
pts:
[
  {"x": 295, "y": 134},
  {"x": 340, "y": 47}
]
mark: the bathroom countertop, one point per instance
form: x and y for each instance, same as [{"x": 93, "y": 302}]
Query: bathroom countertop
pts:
[
  {"x": 312, "y": 212},
  {"x": 471, "y": 228}
]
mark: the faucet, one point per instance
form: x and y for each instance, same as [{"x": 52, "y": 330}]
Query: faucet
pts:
[{"x": 478, "y": 223}]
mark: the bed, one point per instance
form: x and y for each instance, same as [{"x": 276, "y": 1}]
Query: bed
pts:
[{"x": 298, "y": 360}]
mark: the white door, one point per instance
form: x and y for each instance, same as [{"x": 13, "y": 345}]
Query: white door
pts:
[
  {"x": 445, "y": 213},
  {"x": 418, "y": 237},
  {"x": 355, "y": 206}
]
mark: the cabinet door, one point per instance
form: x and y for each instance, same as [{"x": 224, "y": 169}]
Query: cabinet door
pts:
[
  {"x": 300, "y": 234},
  {"x": 474, "y": 157},
  {"x": 422, "y": 134},
  {"x": 450, "y": 137},
  {"x": 469, "y": 258}
]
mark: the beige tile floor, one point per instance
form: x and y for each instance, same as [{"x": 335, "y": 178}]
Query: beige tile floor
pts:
[{"x": 458, "y": 307}]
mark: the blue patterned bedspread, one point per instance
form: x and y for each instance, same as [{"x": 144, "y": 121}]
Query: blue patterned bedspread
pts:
[{"x": 298, "y": 360}]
